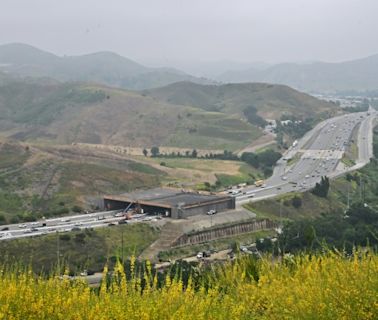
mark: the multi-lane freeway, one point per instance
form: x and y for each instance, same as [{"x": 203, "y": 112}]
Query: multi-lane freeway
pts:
[
  {"x": 317, "y": 154},
  {"x": 66, "y": 224}
]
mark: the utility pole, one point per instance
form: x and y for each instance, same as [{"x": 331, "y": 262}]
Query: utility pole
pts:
[
  {"x": 360, "y": 189},
  {"x": 348, "y": 199},
  {"x": 122, "y": 246},
  {"x": 58, "y": 250}
]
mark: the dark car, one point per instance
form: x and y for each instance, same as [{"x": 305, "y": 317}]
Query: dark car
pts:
[
  {"x": 5, "y": 229},
  {"x": 122, "y": 222},
  {"x": 206, "y": 254}
]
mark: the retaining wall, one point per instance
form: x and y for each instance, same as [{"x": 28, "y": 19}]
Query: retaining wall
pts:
[{"x": 224, "y": 232}]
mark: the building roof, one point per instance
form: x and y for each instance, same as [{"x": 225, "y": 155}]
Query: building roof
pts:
[{"x": 166, "y": 197}]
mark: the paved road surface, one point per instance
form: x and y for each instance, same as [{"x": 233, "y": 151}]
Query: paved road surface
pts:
[{"x": 320, "y": 152}]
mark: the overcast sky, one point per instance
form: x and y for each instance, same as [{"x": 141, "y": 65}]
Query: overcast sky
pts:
[{"x": 168, "y": 31}]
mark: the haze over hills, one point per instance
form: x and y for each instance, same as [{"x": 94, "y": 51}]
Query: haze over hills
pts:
[
  {"x": 271, "y": 101},
  {"x": 101, "y": 67},
  {"x": 360, "y": 74}
]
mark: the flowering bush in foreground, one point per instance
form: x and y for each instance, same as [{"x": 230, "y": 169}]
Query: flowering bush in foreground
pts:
[{"x": 324, "y": 286}]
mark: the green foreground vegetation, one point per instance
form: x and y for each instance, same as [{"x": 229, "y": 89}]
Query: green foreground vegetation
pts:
[
  {"x": 88, "y": 249},
  {"x": 318, "y": 286}
]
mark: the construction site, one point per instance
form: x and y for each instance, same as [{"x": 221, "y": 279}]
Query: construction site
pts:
[{"x": 172, "y": 203}]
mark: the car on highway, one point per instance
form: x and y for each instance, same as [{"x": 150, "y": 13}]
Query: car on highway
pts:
[
  {"x": 211, "y": 212},
  {"x": 6, "y": 235},
  {"x": 119, "y": 214},
  {"x": 22, "y": 225},
  {"x": 5, "y": 229}
]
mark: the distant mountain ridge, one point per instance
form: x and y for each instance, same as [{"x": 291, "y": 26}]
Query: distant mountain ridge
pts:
[
  {"x": 360, "y": 74},
  {"x": 101, "y": 67}
]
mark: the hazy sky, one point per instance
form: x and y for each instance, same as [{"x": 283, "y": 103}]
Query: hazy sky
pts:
[{"x": 167, "y": 31}]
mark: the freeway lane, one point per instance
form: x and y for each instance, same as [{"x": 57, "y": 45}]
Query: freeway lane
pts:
[
  {"x": 64, "y": 224},
  {"x": 320, "y": 153}
]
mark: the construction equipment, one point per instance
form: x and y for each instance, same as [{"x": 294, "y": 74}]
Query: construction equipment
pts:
[
  {"x": 129, "y": 213},
  {"x": 128, "y": 207}
]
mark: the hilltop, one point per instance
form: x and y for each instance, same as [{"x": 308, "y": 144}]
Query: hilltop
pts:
[
  {"x": 66, "y": 113},
  {"x": 101, "y": 67},
  {"x": 359, "y": 75},
  {"x": 183, "y": 115},
  {"x": 271, "y": 101}
]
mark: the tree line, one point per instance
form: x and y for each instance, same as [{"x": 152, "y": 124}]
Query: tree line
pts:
[{"x": 261, "y": 160}]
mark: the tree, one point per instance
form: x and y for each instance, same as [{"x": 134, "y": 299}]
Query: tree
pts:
[
  {"x": 155, "y": 151},
  {"x": 235, "y": 247},
  {"x": 296, "y": 202},
  {"x": 145, "y": 152},
  {"x": 268, "y": 157},
  {"x": 268, "y": 172},
  {"x": 194, "y": 153},
  {"x": 321, "y": 189},
  {"x": 207, "y": 186},
  {"x": 76, "y": 209},
  {"x": 250, "y": 158},
  {"x": 250, "y": 113}
]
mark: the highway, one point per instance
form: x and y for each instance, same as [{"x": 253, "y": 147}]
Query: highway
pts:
[
  {"x": 317, "y": 154},
  {"x": 66, "y": 224}
]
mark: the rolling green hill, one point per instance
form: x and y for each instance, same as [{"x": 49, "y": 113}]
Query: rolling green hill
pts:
[
  {"x": 184, "y": 114},
  {"x": 47, "y": 181},
  {"x": 67, "y": 113},
  {"x": 271, "y": 101}
]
